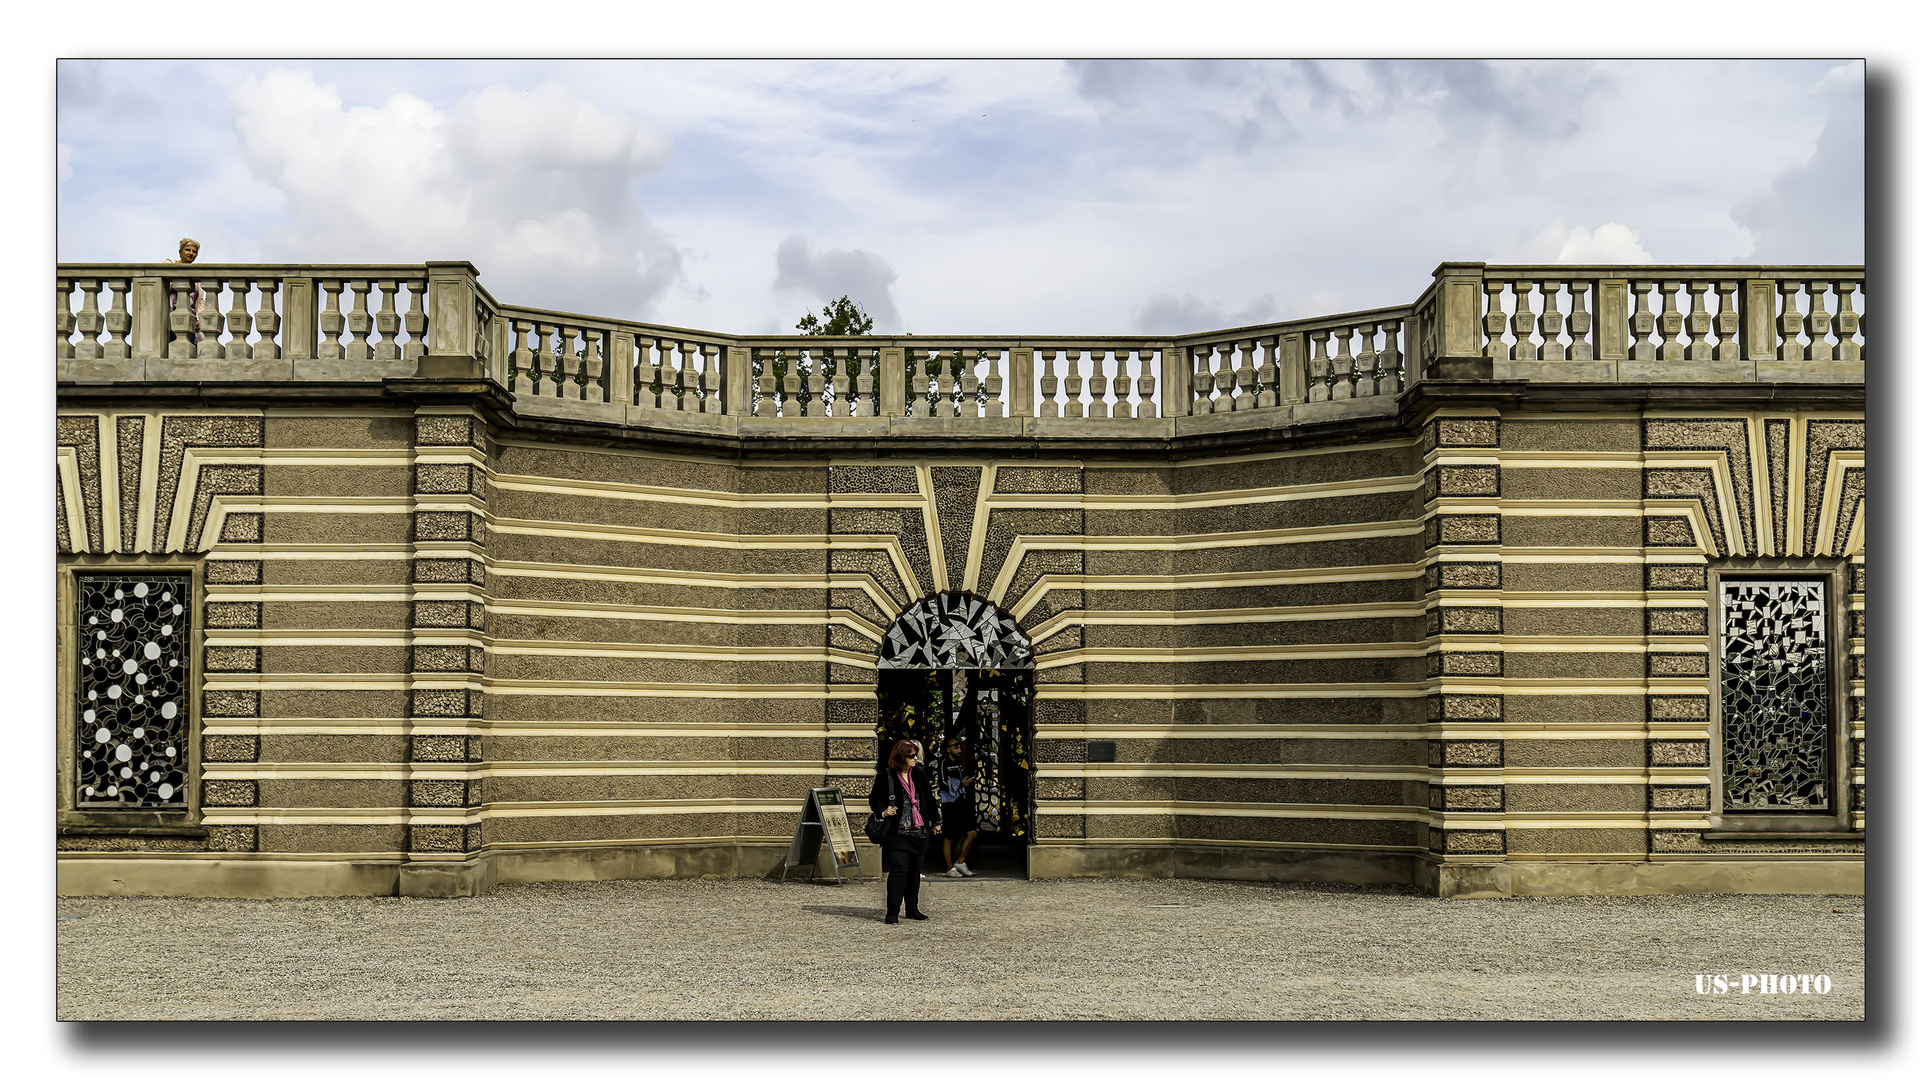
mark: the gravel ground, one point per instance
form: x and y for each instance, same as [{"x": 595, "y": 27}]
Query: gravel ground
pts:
[{"x": 995, "y": 948}]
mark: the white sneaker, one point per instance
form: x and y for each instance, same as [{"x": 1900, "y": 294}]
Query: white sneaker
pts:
[
  {"x": 963, "y": 867},
  {"x": 954, "y": 871}
]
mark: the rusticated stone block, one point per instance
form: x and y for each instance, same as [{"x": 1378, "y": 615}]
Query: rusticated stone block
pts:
[
  {"x": 1060, "y": 787},
  {"x": 436, "y": 838},
  {"x": 1665, "y": 708},
  {"x": 1667, "y": 531},
  {"x": 446, "y": 431},
  {"x": 445, "y": 614},
  {"x": 1060, "y": 750},
  {"x": 1859, "y": 749},
  {"x": 1858, "y": 624},
  {"x": 1471, "y": 620},
  {"x": 437, "y": 793},
  {"x": 1471, "y": 797},
  {"x": 229, "y": 793},
  {"x": 230, "y": 748},
  {"x": 1859, "y": 666},
  {"x": 1677, "y": 665},
  {"x": 233, "y": 571},
  {"x": 1675, "y": 840},
  {"x": 1060, "y": 826},
  {"x": 1675, "y": 621},
  {"x": 1483, "y": 431},
  {"x": 232, "y": 838},
  {"x": 1677, "y": 753},
  {"x": 1474, "y": 841},
  {"x": 1693, "y": 797},
  {"x": 1469, "y": 480},
  {"x": 1481, "y": 664},
  {"x": 1431, "y": 622},
  {"x": 233, "y": 615},
  {"x": 438, "y": 748},
  {"x": 1463, "y": 529},
  {"x": 851, "y": 750},
  {"x": 1471, "y": 575},
  {"x": 433, "y": 479},
  {"x": 1658, "y": 577},
  {"x": 462, "y": 703},
  {"x": 448, "y": 525},
  {"x": 230, "y": 703},
  {"x": 443, "y": 658},
  {"x": 232, "y": 658},
  {"x": 1471, "y": 707},
  {"x": 1859, "y": 578},
  {"x": 851, "y": 711},
  {"x": 1469, "y": 753},
  {"x": 1858, "y": 798},
  {"x": 242, "y": 529},
  {"x": 450, "y": 571}
]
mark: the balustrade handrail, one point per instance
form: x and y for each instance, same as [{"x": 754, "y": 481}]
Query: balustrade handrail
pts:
[{"x": 357, "y": 321}]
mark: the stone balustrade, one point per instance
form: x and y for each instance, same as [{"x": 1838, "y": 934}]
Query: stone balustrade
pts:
[{"x": 1542, "y": 324}]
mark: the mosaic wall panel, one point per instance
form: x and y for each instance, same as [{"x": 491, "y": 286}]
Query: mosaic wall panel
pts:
[
  {"x": 134, "y": 633},
  {"x": 955, "y": 630},
  {"x": 1775, "y": 696}
]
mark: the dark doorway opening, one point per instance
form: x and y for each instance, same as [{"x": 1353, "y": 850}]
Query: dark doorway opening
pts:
[{"x": 956, "y": 667}]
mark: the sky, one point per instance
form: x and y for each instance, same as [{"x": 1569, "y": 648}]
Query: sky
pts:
[{"x": 962, "y": 197}]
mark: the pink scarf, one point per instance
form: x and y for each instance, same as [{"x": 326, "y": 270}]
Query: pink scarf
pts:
[{"x": 914, "y": 801}]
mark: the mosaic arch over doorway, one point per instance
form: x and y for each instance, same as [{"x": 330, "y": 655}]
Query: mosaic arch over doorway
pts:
[{"x": 955, "y": 665}]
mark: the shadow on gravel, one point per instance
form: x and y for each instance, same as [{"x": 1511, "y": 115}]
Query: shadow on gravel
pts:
[{"x": 865, "y": 914}]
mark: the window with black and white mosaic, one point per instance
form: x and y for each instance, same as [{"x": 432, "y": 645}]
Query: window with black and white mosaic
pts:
[
  {"x": 1775, "y": 696},
  {"x": 132, "y": 662}
]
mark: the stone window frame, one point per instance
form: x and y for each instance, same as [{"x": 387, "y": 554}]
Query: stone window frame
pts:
[
  {"x": 1833, "y": 576},
  {"x": 131, "y": 820}
]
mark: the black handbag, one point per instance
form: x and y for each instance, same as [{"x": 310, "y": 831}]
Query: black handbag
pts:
[{"x": 878, "y": 826}]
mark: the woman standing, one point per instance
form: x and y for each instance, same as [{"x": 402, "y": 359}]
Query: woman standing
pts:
[
  {"x": 902, "y": 793},
  {"x": 957, "y": 807}
]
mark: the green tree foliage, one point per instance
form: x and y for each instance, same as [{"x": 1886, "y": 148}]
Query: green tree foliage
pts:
[{"x": 843, "y": 317}]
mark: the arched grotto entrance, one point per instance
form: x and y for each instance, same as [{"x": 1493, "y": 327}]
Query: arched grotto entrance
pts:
[{"x": 954, "y": 665}]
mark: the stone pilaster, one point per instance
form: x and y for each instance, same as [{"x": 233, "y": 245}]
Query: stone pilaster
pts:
[{"x": 447, "y": 639}]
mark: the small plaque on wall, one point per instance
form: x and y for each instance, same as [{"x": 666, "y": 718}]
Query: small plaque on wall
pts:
[{"x": 1100, "y": 751}]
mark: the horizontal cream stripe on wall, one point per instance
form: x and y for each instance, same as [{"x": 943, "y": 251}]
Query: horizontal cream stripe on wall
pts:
[
  {"x": 650, "y": 613},
  {"x": 1598, "y": 819},
  {"x": 1411, "y": 773},
  {"x": 454, "y": 770},
  {"x": 599, "y": 729},
  {"x": 1466, "y": 729},
  {"x": 1330, "y": 489}
]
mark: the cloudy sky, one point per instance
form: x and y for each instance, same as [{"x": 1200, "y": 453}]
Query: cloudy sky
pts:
[{"x": 962, "y": 196}]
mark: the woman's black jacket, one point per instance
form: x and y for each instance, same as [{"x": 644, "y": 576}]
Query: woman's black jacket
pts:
[{"x": 887, "y": 789}]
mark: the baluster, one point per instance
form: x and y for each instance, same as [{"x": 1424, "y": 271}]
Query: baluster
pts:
[
  {"x": 1698, "y": 323},
  {"x": 593, "y": 365},
  {"x": 1819, "y": 323},
  {"x": 359, "y": 323},
  {"x": 1389, "y": 360},
  {"x": 943, "y": 370},
  {"x": 838, "y": 405},
  {"x": 1073, "y": 382},
  {"x": 970, "y": 383},
  {"x": 1342, "y": 367},
  {"x": 62, "y": 319},
  {"x": 1494, "y": 321},
  {"x": 179, "y": 321},
  {"x": 1049, "y": 384},
  {"x": 1641, "y": 325},
  {"x": 864, "y": 402},
  {"x": 710, "y": 378},
  {"x": 766, "y": 394},
  {"x": 816, "y": 404},
  {"x": 1728, "y": 322},
  {"x": 1521, "y": 325},
  {"x": 647, "y": 373},
  {"x": 567, "y": 376},
  {"x": 265, "y": 319},
  {"x": 1267, "y": 374},
  {"x": 119, "y": 322},
  {"x": 994, "y": 385},
  {"x": 548, "y": 353},
  {"x": 387, "y": 321},
  {"x": 1124, "y": 407},
  {"x": 239, "y": 323},
  {"x": 1579, "y": 322},
  {"x": 1670, "y": 322},
  {"x": 1097, "y": 383},
  {"x": 1365, "y": 362},
  {"x": 1147, "y": 406},
  {"x": 1318, "y": 365},
  {"x": 1225, "y": 377},
  {"x": 330, "y": 320},
  {"x": 88, "y": 322},
  {"x": 1201, "y": 383},
  {"x": 415, "y": 321},
  {"x": 1237, "y": 358},
  {"x": 520, "y": 357},
  {"x": 207, "y": 319},
  {"x": 788, "y": 361},
  {"x": 687, "y": 396},
  {"x": 1847, "y": 349},
  {"x": 1788, "y": 324},
  {"x": 1552, "y": 347}
]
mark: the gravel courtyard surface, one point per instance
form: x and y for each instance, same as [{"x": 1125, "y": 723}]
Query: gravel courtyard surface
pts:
[{"x": 995, "y": 948}]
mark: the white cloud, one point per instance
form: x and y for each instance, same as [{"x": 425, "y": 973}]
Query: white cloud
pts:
[
  {"x": 1189, "y": 314},
  {"x": 535, "y": 187},
  {"x": 1609, "y": 244},
  {"x": 1814, "y": 211},
  {"x": 62, "y": 163},
  {"x": 862, "y": 276}
]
